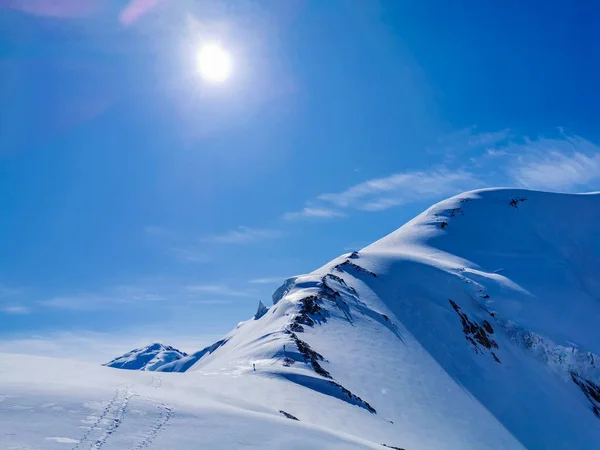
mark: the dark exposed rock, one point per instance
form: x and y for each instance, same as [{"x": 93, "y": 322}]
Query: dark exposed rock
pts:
[
  {"x": 288, "y": 415},
  {"x": 456, "y": 211},
  {"x": 349, "y": 265},
  {"x": 488, "y": 327},
  {"x": 591, "y": 391},
  {"x": 296, "y": 327},
  {"x": 335, "y": 278},
  {"x": 310, "y": 311},
  {"x": 475, "y": 333},
  {"x": 485, "y": 296},
  {"x": 515, "y": 201},
  {"x": 353, "y": 255},
  {"x": 287, "y": 361},
  {"x": 310, "y": 305},
  {"x": 339, "y": 280},
  {"x": 386, "y": 318},
  {"x": 304, "y": 319},
  {"x": 443, "y": 225},
  {"x": 354, "y": 398},
  {"x": 310, "y": 356},
  {"x": 391, "y": 446},
  {"x": 328, "y": 291}
]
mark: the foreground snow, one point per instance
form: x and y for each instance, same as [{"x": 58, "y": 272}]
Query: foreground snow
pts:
[
  {"x": 473, "y": 326},
  {"x": 49, "y": 403}
]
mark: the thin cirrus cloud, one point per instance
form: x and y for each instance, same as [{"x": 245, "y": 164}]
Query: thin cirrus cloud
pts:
[
  {"x": 567, "y": 164},
  {"x": 82, "y": 302},
  {"x": 176, "y": 245},
  {"x": 10, "y": 304},
  {"x": 188, "y": 255},
  {"x": 267, "y": 280},
  {"x": 244, "y": 235},
  {"x": 167, "y": 294},
  {"x": 313, "y": 213},
  {"x": 217, "y": 289},
  {"x": 469, "y": 139},
  {"x": 117, "y": 296},
  {"x": 402, "y": 188},
  {"x": 15, "y": 309}
]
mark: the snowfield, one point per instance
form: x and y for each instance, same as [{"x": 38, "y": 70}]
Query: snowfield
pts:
[{"x": 474, "y": 326}]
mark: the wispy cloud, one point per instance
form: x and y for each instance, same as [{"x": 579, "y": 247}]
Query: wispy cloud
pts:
[
  {"x": 8, "y": 291},
  {"x": 11, "y": 301},
  {"x": 562, "y": 162},
  {"x": 244, "y": 235},
  {"x": 189, "y": 255},
  {"x": 313, "y": 213},
  {"x": 401, "y": 188},
  {"x": 558, "y": 171},
  {"x": 488, "y": 139},
  {"x": 469, "y": 139},
  {"x": 177, "y": 245},
  {"x": 15, "y": 309},
  {"x": 267, "y": 280},
  {"x": 81, "y": 302},
  {"x": 492, "y": 152},
  {"x": 218, "y": 289},
  {"x": 156, "y": 231},
  {"x": 164, "y": 294},
  {"x": 117, "y": 296},
  {"x": 210, "y": 302}
]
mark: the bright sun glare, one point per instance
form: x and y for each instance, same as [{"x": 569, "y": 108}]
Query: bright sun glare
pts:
[{"x": 214, "y": 63}]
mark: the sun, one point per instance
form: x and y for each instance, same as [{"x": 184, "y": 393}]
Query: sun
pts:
[{"x": 214, "y": 63}]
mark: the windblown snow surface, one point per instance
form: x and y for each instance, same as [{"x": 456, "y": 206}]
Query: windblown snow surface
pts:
[{"x": 474, "y": 326}]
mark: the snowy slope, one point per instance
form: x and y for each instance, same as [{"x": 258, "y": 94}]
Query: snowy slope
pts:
[
  {"x": 151, "y": 357},
  {"x": 471, "y": 327}
]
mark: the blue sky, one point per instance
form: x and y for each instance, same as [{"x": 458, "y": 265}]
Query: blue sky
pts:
[{"x": 141, "y": 203}]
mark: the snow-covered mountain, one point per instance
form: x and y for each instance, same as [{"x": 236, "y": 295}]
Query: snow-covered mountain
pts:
[
  {"x": 151, "y": 357},
  {"x": 473, "y": 326}
]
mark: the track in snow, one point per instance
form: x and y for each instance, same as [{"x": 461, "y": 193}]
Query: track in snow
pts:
[
  {"x": 166, "y": 412},
  {"x": 100, "y": 431}
]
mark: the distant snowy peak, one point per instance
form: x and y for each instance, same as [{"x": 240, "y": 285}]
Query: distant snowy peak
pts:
[
  {"x": 183, "y": 364},
  {"x": 149, "y": 358}
]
